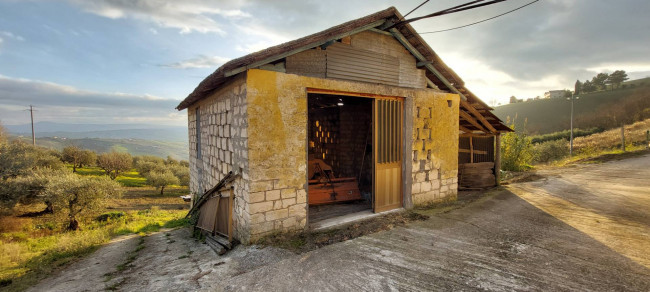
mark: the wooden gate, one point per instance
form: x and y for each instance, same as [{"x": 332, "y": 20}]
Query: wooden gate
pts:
[
  {"x": 388, "y": 153},
  {"x": 215, "y": 215}
]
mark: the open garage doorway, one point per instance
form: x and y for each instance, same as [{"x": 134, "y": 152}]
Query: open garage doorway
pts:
[{"x": 340, "y": 162}]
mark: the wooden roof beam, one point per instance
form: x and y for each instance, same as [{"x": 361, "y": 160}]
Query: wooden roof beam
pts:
[
  {"x": 478, "y": 115},
  {"x": 466, "y": 130},
  {"x": 400, "y": 37},
  {"x": 471, "y": 120}
]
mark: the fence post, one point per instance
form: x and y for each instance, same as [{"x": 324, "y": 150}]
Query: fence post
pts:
[
  {"x": 647, "y": 139},
  {"x": 623, "y": 138}
]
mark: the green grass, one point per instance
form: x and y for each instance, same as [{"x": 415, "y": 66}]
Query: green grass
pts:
[
  {"x": 30, "y": 249},
  {"x": 128, "y": 179}
]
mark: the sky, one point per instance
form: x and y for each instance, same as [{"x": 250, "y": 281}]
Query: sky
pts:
[{"x": 133, "y": 61}]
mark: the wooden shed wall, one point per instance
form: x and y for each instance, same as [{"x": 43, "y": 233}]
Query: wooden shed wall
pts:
[{"x": 366, "y": 57}]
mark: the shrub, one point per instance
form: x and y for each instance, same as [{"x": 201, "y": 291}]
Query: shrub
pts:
[
  {"x": 551, "y": 151},
  {"x": 516, "y": 150}
]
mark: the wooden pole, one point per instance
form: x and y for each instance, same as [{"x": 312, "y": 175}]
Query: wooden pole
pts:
[
  {"x": 623, "y": 138},
  {"x": 497, "y": 159},
  {"x": 471, "y": 150}
]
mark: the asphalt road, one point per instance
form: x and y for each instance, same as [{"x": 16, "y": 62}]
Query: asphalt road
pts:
[{"x": 577, "y": 229}]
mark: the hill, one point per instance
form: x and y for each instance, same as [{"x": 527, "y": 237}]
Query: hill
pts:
[
  {"x": 605, "y": 109},
  {"x": 109, "y": 131},
  {"x": 175, "y": 149}
]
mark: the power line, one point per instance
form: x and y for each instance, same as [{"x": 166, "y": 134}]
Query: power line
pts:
[
  {"x": 458, "y": 8},
  {"x": 484, "y": 20},
  {"x": 416, "y": 8}
]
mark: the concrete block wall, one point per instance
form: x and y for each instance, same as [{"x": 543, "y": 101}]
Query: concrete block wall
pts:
[{"x": 224, "y": 148}]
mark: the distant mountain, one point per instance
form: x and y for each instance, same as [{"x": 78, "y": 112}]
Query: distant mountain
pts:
[
  {"x": 107, "y": 131},
  {"x": 176, "y": 149}
]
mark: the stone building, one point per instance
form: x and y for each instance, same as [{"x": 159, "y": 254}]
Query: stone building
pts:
[{"x": 364, "y": 112}]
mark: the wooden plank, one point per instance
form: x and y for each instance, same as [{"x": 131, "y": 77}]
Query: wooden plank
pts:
[
  {"x": 479, "y": 152},
  {"x": 478, "y": 115},
  {"x": 398, "y": 35},
  {"x": 300, "y": 49},
  {"x": 471, "y": 120}
]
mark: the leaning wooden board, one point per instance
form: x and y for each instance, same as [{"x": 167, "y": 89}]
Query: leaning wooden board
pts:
[{"x": 339, "y": 190}]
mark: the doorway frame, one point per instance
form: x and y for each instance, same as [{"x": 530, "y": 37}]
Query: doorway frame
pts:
[{"x": 406, "y": 147}]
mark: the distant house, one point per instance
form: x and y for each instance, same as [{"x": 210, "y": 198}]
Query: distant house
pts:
[
  {"x": 364, "y": 112},
  {"x": 554, "y": 94}
]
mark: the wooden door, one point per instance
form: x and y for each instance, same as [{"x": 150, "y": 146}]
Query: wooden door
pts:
[{"x": 388, "y": 153}]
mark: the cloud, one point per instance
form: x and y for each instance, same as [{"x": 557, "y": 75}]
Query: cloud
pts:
[
  {"x": 12, "y": 36},
  {"x": 199, "y": 62},
  {"x": 187, "y": 16},
  {"x": 63, "y": 103}
]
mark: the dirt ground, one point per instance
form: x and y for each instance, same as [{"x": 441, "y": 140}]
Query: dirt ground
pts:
[{"x": 580, "y": 228}]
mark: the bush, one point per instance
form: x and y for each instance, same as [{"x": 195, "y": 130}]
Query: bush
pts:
[
  {"x": 551, "y": 151},
  {"x": 516, "y": 150}
]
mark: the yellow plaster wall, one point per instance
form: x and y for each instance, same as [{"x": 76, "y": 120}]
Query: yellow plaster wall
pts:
[
  {"x": 277, "y": 147},
  {"x": 435, "y": 148}
]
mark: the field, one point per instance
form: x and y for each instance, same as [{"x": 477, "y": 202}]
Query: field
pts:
[
  {"x": 31, "y": 248},
  {"x": 553, "y": 115}
]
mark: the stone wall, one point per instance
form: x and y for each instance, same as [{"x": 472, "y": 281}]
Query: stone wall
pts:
[
  {"x": 435, "y": 148},
  {"x": 224, "y": 147}
]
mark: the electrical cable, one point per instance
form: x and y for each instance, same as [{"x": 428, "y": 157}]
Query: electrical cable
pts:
[{"x": 484, "y": 20}]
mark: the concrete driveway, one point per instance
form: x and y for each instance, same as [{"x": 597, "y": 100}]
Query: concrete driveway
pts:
[{"x": 582, "y": 228}]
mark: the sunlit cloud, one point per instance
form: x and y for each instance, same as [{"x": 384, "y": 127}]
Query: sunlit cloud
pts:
[{"x": 199, "y": 62}]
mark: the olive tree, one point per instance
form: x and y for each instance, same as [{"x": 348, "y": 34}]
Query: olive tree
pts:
[
  {"x": 114, "y": 163},
  {"x": 75, "y": 196},
  {"x": 161, "y": 179}
]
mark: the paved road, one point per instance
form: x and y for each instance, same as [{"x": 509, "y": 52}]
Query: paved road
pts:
[{"x": 583, "y": 228}]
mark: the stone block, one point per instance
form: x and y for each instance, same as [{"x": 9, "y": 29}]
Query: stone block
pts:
[
  {"x": 426, "y": 186},
  {"x": 416, "y": 188},
  {"x": 277, "y": 205},
  {"x": 298, "y": 210},
  {"x": 277, "y": 214},
  {"x": 288, "y": 202},
  {"x": 273, "y": 195},
  {"x": 261, "y": 228},
  {"x": 261, "y": 207},
  {"x": 256, "y": 197},
  {"x": 288, "y": 193},
  {"x": 301, "y": 196},
  {"x": 257, "y": 218},
  {"x": 289, "y": 222},
  {"x": 260, "y": 186},
  {"x": 420, "y": 177}
]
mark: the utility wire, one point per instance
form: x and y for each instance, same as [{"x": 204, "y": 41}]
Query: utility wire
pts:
[
  {"x": 484, "y": 20},
  {"x": 416, "y": 8},
  {"x": 459, "y": 8}
]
